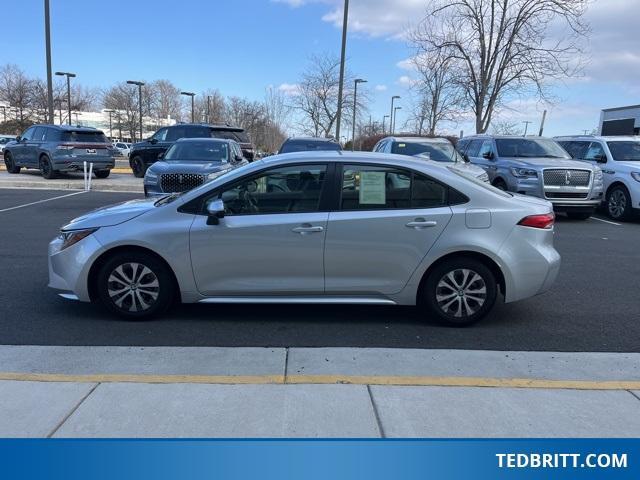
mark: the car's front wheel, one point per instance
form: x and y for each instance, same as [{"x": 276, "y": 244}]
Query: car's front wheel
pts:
[
  {"x": 10, "y": 163},
  {"x": 459, "y": 292},
  {"x": 135, "y": 285},
  {"x": 138, "y": 167},
  {"x": 619, "y": 203}
]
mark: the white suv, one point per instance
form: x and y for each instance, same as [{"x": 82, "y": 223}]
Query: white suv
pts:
[{"x": 619, "y": 158}]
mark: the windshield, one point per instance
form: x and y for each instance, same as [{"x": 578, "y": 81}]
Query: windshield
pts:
[
  {"x": 529, "y": 148},
  {"x": 85, "y": 137},
  {"x": 625, "y": 151},
  {"x": 307, "y": 146},
  {"x": 439, "y": 152},
  {"x": 204, "y": 151}
]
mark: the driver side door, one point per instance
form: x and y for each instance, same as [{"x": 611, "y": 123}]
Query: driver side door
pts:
[{"x": 271, "y": 239}]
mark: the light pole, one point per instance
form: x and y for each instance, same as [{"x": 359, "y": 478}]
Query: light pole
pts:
[
  {"x": 47, "y": 35},
  {"x": 355, "y": 109},
  {"x": 526, "y": 127},
  {"x": 109, "y": 112},
  {"x": 342, "y": 58},
  {"x": 140, "y": 85},
  {"x": 208, "y": 108},
  {"x": 393, "y": 99},
  {"x": 69, "y": 76},
  {"x": 393, "y": 126},
  {"x": 190, "y": 94},
  {"x": 384, "y": 118}
]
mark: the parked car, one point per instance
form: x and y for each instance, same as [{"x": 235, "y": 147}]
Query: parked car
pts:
[
  {"x": 295, "y": 229},
  {"x": 122, "y": 148},
  {"x": 619, "y": 158},
  {"x": 308, "y": 144},
  {"x": 189, "y": 163},
  {"x": 436, "y": 149},
  {"x": 144, "y": 153},
  {"x": 60, "y": 148},
  {"x": 4, "y": 139},
  {"x": 539, "y": 167}
]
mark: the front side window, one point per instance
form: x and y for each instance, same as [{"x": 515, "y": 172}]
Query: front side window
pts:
[
  {"x": 575, "y": 149},
  {"x": 195, "y": 151},
  {"x": 175, "y": 133},
  {"x": 292, "y": 189},
  {"x": 594, "y": 152},
  {"x": 627, "y": 151},
  {"x": 39, "y": 134},
  {"x": 474, "y": 148},
  {"x": 28, "y": 134},
  {"x": 367, "y": 187},
  {"x": 160, "y": 135},
  {"x": 486, "y": 148},
  {"x": 529, "y": 148}
]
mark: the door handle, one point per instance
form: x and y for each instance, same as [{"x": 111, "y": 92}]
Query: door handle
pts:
[
  {"x": 306, "y": 228},
  {"x": 419, "y": 223}
]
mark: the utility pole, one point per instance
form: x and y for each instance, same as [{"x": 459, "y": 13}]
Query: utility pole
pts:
[
  {"x": 208, "y": 108},
  {"x": 140, "y": 85},
  {"x": 190, "y": 94},
  {"x": 393, "y": 99},
  {"x": 109, "y": 112},
  {"x": 355, "y": 109},
  {"x": 384, "y": 118},
  {"x": 544, "y": 117},
  {"x": 69, "y": 76},
  {"x": 526, "y": 127},
  {"x": 342, "y": 60},
  {"x": 47, "y": 35}
]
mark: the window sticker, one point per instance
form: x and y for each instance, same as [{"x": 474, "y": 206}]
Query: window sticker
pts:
[{"x": 372, "y": 188}]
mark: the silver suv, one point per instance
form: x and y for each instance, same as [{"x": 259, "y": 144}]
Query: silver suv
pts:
[{"x": 538, "y": 167}]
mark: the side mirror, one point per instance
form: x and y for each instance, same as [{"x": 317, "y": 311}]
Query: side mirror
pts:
[
  {"x": 18, "y": 139},
  {"x": 601, "y": 158},
  {"x": 215, "y": 210},
  {"x": 466, "y": 158},
  {"x": 238, "y": 158},
  {"x": 488, "y": 155},
  {"x": 152, "y": 141}
]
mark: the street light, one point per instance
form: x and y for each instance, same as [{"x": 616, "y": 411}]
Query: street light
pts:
[
  {"x": 140, "y": 85},
  {"x": 69, "y": 76},
  {"x": 345, "y": 19},
  {"x": 47, "y": 35},
  {"x": 355, "y": 109},
  {"x": 393, "y": 126},
  {"x": 109, "y": 112},
  {"x": 393, "y": 99},
  {"x": 384, "y": 118},
  {"x": 190, "y": 94}
]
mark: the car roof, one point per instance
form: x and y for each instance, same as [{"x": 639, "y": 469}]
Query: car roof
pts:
[
  {"x": 487, "y": 136},
  {"x": 214, "y": 126},
  {"x": 68, "y": 128},
  {"x": 205, "y": 139},
  {"x": 343, "y": 156},
  {"x": 418, "y": 139},
  {"x": 608, "y": 138},
  {"x": 310, "y": 139}
]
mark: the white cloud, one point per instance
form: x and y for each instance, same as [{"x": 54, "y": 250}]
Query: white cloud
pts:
[
  {"x": 380, "y": 88},
  {"x": 291, "y": 89},
  {"x": 406, "y": 81}
]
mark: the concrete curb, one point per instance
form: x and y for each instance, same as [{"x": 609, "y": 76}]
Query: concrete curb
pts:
[{"x": 72, "y": 185}]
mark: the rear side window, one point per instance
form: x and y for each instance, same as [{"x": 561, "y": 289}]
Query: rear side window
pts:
[
  {"x": 198, "y": 132},
  {"x": 52, "y": 135},
  {"x": 85, "y": 137},
  {"x": 176, "y": 133}
]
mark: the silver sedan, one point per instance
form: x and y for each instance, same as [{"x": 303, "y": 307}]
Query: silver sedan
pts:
[{"x": 315, "y": 227}]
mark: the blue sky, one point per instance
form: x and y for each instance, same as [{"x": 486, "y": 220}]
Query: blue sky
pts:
[{"x": 241, "y": 47}]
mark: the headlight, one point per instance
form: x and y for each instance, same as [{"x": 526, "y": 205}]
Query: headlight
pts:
[
  {"x": 72, "y": 237},
  {"x": 483, "y": 177},
  {"x": 636, "y": 176},
  {"x": 150, "y": 177},
  {"x": 599, "y": 175},
  {"x": 524, "y": 172}
]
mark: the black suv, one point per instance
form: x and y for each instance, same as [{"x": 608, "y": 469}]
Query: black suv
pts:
[{"x": 145, "y": 153}]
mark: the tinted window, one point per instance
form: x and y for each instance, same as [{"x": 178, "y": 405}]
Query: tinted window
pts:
[
  {"x": 485, "y": 148},
  {"x": 575, "y": 149},
  {"x": 307, "y": 146},
  {"x": 28, "y": 134},
  {"x": 160, "y": 135},
  {"x": 427, "y": 193},
  {"x": 52, "y": 135},
  {"x": 240, "y": 137},
  {"x": 280, "y": 190},
  {"x": 594, "y": 152},
  {"x": 39, "y": 134},
  {"x": 198, "y": 132},
  {"x": 474, "y": 148},
  {"x": 529, "y": 148},
  {"x": 625, "y": 151},
  {"x": 175, "y": 133},
  {"x": 85, "y": 137},
  {"x": 439, "y": 152},
  {"x": 462, "y": 145},
  {"x": 198, "y": 151}
]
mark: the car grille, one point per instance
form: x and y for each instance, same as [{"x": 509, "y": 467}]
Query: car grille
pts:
[
  {"x": 570, "y": 195},
  {"x": 180, "y": 182},
  {"x": 567, "y": 178}
]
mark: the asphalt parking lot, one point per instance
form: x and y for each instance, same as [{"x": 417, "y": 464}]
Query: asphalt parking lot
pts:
[{"x": 594, "y": 306}]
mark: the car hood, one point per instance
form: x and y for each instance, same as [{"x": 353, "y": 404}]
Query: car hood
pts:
[
  {"x": 547, "y": 162},
  {"x": 111, "y": 215},
  {"x": 633, "y": 165},
  {"x": 176, "y": 166}
]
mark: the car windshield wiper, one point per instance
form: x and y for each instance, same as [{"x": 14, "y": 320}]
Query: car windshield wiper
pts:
[{"x": 167, "y": 199}]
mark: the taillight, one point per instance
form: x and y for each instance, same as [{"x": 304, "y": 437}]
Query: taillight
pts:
[{"x": 544, "y": 221}]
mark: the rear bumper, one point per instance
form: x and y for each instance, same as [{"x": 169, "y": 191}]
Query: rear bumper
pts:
[{"x": 66, "y": 164}]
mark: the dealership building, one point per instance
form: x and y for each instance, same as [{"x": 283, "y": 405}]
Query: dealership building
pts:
[{"x": 620, "y": 121}]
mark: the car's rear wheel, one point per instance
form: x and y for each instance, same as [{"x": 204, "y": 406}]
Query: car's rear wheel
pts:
[
  {"x": 579, "y": 215},
  {"x": 135, "y": 285},
  {"x": 10, "y": 164},
  {"x": 46, "y": 168},
  {"x": 460, "y": 292},
  {"x": 102, "y": 173},
  {"x": 619, "y": 203},
  {"x": 138, "y": 167}
]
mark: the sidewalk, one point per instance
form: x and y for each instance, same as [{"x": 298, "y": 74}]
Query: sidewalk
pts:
[
  {"x": 315, "y": 392},
  {"x": 116, "y": 182}
]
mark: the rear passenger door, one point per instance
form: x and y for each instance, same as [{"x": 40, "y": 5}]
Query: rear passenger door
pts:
[{"x": 388, "y": 219}]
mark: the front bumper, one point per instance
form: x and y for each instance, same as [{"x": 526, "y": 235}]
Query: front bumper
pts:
[{"x": 593, "y": 195}]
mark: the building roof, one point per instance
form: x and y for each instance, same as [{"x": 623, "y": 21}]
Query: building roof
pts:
[{"x": 615, "y": 109}]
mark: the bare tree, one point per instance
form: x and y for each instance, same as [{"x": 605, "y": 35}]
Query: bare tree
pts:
[
  {"x": 16, "y": 90},
  {"x": 124, "y": 100},
  {"x": 504, "y": 47},
  {"x": 506, "y": 127},
  {"x": 165, "y": 100},
  {"x": 277, "y": 114}
]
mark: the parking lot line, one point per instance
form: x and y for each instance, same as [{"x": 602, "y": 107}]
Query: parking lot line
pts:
[
  {"x": 606, "y": 221},
  {"x": 331, "y": 380},
  {"x": 41, "y": 201}
]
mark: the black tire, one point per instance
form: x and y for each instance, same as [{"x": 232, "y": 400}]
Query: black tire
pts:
[
  {"x": 138, "y": 167},
  {"x": 452, "y": 301},
  {"x": 135, "y": 303},
  {"x": 579, "y": 215},
  {"x": 500, "y": 184},
  {"x": 102, "y": 173},
  {"x": 618, "y": 205},
  {"x": 10, "y": 164},
  {"x": 46, "y": 169}
]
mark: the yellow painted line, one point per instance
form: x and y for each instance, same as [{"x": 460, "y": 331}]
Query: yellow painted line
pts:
[{"x": 330, "y": 380}]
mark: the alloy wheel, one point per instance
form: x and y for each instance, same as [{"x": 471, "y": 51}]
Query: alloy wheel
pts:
[
  {"x": 133, "y": 287},
  {"x": 461, "y": 292},
  {"x": 617, "y": 203}
]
